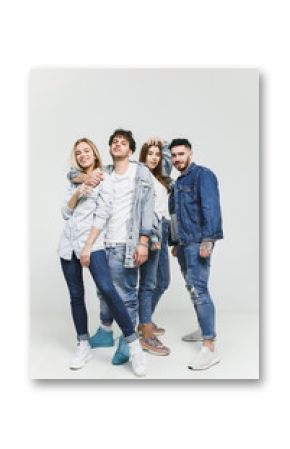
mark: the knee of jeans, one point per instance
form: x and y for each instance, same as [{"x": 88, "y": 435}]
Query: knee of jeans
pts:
[
  {"x": 77, "y": 298},
  {"x": 192, "y": 291},
  {"x": 147, "y": 285},
  {"x": 131, "y": 303},
  {"x": 161, "y": 288},
  {"x": 203, "y": 300},
  {"x": 106, "y": 292},
  {"x": 147, "y": 288},
  {"x": 200, "y": 299},
  {"x": 199, "y": 293},
  {"x": 76, "y": 291}
]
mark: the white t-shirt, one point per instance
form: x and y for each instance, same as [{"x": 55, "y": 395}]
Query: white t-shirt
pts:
[
  {"x": 161, "y": 199},
  {"x": 124, "y": 186}
]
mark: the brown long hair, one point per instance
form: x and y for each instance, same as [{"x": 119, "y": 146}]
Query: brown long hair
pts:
[{"x": 157, "y": 172}]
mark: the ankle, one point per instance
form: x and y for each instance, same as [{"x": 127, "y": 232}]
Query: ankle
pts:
[
  {"x": 209, "y": 344},
  {"x": 106, "y": 327}
]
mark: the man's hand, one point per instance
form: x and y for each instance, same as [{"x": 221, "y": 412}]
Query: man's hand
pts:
[
  {"x": 86, "y": 256},
  {"x": 174, "y": 251},
  {"x": 94, "y": 179},
  {"x": 141, "y": 254},
  {"x": 205, "y": 249},
  {"x": 155, "y": 246}
]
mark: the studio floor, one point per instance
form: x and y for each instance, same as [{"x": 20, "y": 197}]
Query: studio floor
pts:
[{"x": 52, "y": 342}]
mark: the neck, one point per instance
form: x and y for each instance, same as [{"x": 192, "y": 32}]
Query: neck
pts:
[
  {"x": 121, "y": 165},
  {"x": 89, "y": 170}
]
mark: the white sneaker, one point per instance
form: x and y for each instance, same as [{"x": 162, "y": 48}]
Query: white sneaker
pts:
[
  {"x": 205, "y": 359},
  {"x": 193, "y": 336},
  {"x": 82, "y": 355},
  {"x": 137, "y": 358}
]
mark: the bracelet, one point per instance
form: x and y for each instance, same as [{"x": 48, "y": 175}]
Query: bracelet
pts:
[{"x": 143, "y": 244}]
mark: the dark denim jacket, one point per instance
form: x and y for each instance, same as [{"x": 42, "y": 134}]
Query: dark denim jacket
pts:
[{"x": 195, "y": 203}]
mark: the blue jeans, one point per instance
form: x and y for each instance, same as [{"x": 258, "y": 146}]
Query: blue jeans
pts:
[
  {"x": 99, "y": 269},
  {"x": 195, "y": 270},
  {"x": 125, "y": 282},
  {"x": 147, "y": 285},
  {"x": 163, "y": 272}
]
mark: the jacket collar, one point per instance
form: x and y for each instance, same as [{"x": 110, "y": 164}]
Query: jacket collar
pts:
[{"x": 189, "y": 169}]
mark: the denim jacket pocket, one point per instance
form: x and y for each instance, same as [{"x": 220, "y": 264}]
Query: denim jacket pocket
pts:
[{"x": 186, "y": 188}]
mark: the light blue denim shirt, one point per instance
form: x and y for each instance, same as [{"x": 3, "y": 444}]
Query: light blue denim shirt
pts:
[
  {"x": 91, "y": 211},
  {"x": 141, "y": 219}
]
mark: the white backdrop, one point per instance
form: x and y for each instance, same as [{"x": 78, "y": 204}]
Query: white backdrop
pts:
[{"x": 217, "y": 110}]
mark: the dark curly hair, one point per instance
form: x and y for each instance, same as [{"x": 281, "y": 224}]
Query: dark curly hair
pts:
[{"x": 127, "y": 135}]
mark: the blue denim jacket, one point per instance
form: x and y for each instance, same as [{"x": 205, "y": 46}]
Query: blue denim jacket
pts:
[
  {"x": 195, "y": 202},
  {"x": 141, "y": 220}
]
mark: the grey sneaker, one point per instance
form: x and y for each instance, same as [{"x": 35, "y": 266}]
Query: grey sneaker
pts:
[
  {"x": 154, "y": 346},
  {"x": 193, "y": 336}
]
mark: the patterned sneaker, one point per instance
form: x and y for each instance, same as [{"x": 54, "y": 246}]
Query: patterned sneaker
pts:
[
  {"x": 154, "y": 346},
  {"x": 157, "y": 330}
]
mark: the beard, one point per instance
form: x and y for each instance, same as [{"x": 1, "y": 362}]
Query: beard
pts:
[{"x": 183, "y": 166}]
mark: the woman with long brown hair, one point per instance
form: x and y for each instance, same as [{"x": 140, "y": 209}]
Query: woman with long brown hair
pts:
[{"x": 154, "y": 274}]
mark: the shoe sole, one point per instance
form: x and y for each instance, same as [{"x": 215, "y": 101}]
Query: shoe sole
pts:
[
  {"x": 153, "y": 352},
  {"x": 158, "y": 333},
  {"x": 191, "y": 340},
  {"x": 101, "y": 346},
  {"x": 88, "y": 358},
  {"x": 215, "y": 362}
]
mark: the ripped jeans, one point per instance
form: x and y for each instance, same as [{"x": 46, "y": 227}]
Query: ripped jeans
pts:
[{"x": 195, "y": 271}]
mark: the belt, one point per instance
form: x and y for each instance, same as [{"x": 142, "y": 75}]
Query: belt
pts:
[{"x": 114, "y": 244}]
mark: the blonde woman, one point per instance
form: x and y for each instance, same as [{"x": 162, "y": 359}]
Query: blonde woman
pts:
[{"x": 86, "y": 211}]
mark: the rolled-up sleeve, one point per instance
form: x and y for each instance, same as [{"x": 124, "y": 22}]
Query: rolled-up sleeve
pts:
[
  {"x": 73, "y": 173},
  {"x": 104, "y": 203},
  {"x": 166, "y": 160}
]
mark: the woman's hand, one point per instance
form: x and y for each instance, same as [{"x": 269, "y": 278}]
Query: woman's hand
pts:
[
  {"x": 86, "y": 256},
  {"x": 84, "y": 189},
  {"x": 155, "y": 246}
]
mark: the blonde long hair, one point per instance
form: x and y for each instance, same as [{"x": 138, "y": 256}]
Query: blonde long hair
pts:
[{"x": 98, "y": 160}]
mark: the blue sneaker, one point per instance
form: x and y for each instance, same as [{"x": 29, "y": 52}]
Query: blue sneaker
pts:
[
  {"x": 102, "y": 339},
  {"x": 122, "y": 354}
]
